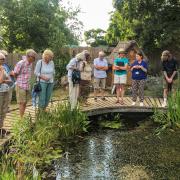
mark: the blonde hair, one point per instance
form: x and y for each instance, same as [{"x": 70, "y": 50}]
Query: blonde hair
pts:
[
  {"x": 2, "y": 55},
  {"x": 4, "y": 52},
  {"x": 47, "y": 52},
  {"x": 166, "y": 55}
]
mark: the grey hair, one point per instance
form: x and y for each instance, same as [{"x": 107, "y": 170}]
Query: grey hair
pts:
[
  {"x": 101, "y": 53},
  {"x": 31, "y": 52},
  {"x": 80, "y": 56}
]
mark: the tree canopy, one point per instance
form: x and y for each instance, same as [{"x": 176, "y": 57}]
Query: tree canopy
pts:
[
  {"x": 36, "y": 24},
  {"x": 153, "y": 24},
  {"x": 95, "y": 37}
]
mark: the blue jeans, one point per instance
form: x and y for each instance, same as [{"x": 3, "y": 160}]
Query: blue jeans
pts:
[{"x": 45, "y": 94}]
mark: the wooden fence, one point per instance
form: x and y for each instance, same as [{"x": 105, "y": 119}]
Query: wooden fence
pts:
[
  {"x": 154, "y": 57},
  {"x": 15, "y": 57}
]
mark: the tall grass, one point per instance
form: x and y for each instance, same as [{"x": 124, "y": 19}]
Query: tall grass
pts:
[
  {"x": 35, "y": 143},
  {"x": 170, "y": 118}
]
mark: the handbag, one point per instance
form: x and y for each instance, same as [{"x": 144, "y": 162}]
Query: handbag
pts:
[
  {"x": 37, "y": 86},
  {"x": 76, "y": 76}
]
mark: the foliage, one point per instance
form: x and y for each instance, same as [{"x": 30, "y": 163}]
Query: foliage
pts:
[
  {"x": 119, "y": 29},
  {"x": 153, "y": 24},
  {"x": 95, "y": 37},
  {"x": 36, "y": 24},
  {"x": 62, "y": 58},
  {"x": 154, "y": 86},
  {"x": 113, "y": 124},
  {"x": 70, "y": 122},
  {"x": 36, "y": 143},
  {"x": 171, "y": 118}
]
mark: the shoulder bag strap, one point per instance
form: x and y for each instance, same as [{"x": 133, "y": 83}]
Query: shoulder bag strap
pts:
[{"x": 40, "y": 70}]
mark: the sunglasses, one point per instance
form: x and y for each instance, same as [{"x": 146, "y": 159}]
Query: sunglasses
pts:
[
  {"x": 32, "y": 57},
  {"x": 2, "y": 59}
]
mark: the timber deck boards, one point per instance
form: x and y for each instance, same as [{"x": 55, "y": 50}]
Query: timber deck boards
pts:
[{"x": 95, "y": 108}]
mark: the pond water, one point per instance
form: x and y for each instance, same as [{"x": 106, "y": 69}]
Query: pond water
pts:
[{"x": 136, "y": 153}]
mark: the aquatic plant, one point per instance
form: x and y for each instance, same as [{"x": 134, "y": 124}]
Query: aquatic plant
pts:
[
  {"x": 113, "y": 124},
  {"x": 69, "y": 122},
  {"x": 36, "y": 143},
  {"x": 171, "y": 117}
]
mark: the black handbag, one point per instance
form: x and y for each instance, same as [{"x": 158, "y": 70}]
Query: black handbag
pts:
[
  {"x": 37, "y": 86},
  {"x": 76, "y": 76}
]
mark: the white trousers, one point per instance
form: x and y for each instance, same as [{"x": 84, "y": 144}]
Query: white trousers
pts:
[{"x": 73, "y": 93}]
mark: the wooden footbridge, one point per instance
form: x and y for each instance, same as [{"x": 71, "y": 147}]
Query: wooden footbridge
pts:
[{"x": 93, "y": 108}]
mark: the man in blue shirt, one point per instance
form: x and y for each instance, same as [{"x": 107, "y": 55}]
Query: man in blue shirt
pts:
[
  {"x": 100, "y": 75},
  {"x": 120, "y": 74}
]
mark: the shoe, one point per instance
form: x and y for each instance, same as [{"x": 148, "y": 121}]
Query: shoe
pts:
[
  {"x": 117, "y": 102},
  {"x": 141, "y": 104},
  {"x": 104, "y": 99},
  {"x": 95, "y": 99},
  {"x": 122, "y": 102},
  {"x": 134, "y": 103}
]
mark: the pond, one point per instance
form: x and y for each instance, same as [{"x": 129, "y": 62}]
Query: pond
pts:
[{"x": 130, "y": 153}]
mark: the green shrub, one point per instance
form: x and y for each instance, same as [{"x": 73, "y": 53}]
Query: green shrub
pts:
[
  {"x": 170, "y": 118},
  {"x": 36, "y": 143}
]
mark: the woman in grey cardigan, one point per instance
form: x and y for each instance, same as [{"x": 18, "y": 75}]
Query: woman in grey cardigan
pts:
[
  {"x": 45, "y": 71},
  {"x": 4, "y": 96}
]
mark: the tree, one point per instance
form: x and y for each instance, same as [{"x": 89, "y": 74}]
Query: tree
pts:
[
  {"x": 36, "y": 24},
  {"x": 119, "y": 29},
  {"x": 95, "y": 37},
  {"x": 155, "y": 24}
]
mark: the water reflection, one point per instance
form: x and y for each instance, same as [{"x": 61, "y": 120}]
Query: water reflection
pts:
[
  {"x": 98, "y": 155},
  {"x": 122, "y": 155}
]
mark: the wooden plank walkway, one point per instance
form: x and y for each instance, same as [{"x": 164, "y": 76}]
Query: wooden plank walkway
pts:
[
  {"x": 108, "y": 106},
  {"x": 95, "y": 108}
]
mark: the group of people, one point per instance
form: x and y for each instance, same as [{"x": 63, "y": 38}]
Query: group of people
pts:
[
  {"x": 21, "y": 77},
  {"x": 80, "y": 73},
  {"x": 99, "y": 68},
  {"x": 120, "y": 68}
]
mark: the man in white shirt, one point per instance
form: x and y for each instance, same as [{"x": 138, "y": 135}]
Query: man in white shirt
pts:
[{"x": 100, "y": 75}]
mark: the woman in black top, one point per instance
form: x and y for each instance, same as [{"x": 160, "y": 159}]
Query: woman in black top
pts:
[{"x": 169, "y": 68}]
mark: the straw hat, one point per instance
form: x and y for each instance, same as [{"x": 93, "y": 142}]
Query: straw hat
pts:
[{"x": 80, "y": 56}]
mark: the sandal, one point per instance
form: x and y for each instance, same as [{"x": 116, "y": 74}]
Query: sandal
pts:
[
  {"x": 117, "y": 101},
  {"x": 122, "y": 102},
  {"x": 104, "y": 99}
]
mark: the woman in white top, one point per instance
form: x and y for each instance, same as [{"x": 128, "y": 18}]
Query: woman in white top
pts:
[{"x": 45, "y": 72}]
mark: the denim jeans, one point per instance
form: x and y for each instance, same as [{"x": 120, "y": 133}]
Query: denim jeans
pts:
[{"x": 45, "y": 94}]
